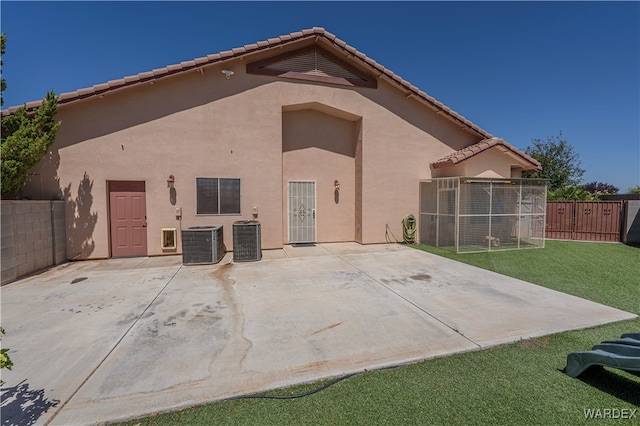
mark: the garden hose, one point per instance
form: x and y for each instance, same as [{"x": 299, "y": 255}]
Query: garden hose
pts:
[
  {"x": 313, "y": 391},
  {"x": 300, "y": 395},
  {"x": 409, "y": 229}
]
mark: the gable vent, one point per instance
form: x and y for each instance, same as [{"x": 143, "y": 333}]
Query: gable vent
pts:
[{"x": 312, "y": 63}]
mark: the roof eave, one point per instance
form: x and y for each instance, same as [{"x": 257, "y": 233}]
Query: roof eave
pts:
[
  {"x": 526, "y": 162},
  {"x": 319, "y": 34},
  {"x": 443, "y": 164},
  {"x": 148, "y": 77}
]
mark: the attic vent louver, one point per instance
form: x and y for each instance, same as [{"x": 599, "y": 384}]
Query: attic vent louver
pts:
[{"x": 313, "y": 64}]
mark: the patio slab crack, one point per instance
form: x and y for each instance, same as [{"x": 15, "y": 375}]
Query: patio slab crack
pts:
[
  {"x": 113, "y": 348},
  {"x": 367, "y": 274}
]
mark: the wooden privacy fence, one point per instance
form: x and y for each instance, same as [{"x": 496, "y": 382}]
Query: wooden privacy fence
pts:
[{"x": 584, "y": 220}]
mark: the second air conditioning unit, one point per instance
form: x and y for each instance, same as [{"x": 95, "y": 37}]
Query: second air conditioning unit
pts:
[{"x": 246, "y": 241}]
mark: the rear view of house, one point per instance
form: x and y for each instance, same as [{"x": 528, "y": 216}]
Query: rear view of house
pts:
[{"x": 302, "y": 132}]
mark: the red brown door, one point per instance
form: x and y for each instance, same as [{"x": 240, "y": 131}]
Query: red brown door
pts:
[{"x": 128, "y": 218}]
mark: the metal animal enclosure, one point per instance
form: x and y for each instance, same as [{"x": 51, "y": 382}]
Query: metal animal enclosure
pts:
[{"x": 466, "y": 215}]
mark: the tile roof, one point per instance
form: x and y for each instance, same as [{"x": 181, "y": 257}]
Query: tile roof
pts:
[
  {"x": 475, "y": 149},
  {"x": 159, "y": 73}
]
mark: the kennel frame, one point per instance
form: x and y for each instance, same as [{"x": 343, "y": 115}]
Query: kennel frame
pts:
[{"x": 471, "y": 214}]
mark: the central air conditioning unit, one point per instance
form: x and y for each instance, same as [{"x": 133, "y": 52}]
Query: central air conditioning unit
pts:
[
  {"x": 202, "y": 245},
  {"x": 246, "y": 241}
]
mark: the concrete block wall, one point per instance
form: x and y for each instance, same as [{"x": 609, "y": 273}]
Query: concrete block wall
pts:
[
  {"x": 631, "y": 230},
  {"x": 33, "y": 237},
  {"x": 631, "y": 216}
]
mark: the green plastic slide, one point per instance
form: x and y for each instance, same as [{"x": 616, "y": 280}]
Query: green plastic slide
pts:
[{"x": 623, "y": 354}]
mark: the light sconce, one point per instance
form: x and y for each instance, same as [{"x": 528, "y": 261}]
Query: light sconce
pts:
[
  {"x": 171, "y": 181},
  {"x": 336, "y": 184},
  {"x": 227, "y": 73}
]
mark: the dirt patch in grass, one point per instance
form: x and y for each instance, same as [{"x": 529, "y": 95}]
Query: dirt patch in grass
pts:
[{"x": 538, "y": 343}]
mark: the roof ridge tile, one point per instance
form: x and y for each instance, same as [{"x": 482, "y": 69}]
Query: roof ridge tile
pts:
[
  {"x": 479, "y": 147},
  {"x": 115, "y": 83},
  {"x": 238, "y": 51}
]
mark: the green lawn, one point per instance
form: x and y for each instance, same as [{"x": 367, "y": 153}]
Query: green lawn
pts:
[
  {"x": 606, "y": 273},
  {"x": 520, "y": 383}
]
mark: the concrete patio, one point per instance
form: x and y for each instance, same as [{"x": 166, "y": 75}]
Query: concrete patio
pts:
[{"x": 108, "y": 340}]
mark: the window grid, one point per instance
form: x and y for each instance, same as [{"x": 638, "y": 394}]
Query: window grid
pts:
[{"x": 217, "y": 196}]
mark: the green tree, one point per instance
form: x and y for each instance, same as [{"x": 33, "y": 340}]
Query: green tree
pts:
[
  {"x": 559, "y": 160},
  {"x": 598, "y": 189},
  {"x": 3, "y": 83},
  {"x": 5, "y": 360},
  {"x": 634, "y": 190},
  {"x": 569, "y": 193},
  {"x": 26, "y": 138}
]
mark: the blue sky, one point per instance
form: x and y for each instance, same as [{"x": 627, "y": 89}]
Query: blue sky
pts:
[{"x": 520, "y": 70}]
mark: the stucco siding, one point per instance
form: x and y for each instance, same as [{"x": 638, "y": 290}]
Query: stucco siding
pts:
[
  {"x": 399, "y": 143},
  {"x": 489, "y": 164},
  {"x": 233, "y": 136},
  {"x": 377, "y": 143},
  {"x": 322, "y": 148}
]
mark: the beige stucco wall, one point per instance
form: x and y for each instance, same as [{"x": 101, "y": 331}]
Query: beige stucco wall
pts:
[
  {"x": 254, "y": 128},
  {"x": 322, "y": 148},
  {"x": 492, "y": 163}
]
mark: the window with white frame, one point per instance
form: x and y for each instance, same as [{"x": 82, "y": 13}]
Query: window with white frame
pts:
[{"x": 217, "y": 196}]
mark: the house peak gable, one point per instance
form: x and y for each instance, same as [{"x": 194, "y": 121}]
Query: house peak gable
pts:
[
  {"x": 313, "y": 63},
  {"x": 314, "y": 36},
  {"x": 528, "y": 163}
]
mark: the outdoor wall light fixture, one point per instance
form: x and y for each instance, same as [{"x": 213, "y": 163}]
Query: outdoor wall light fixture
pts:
[
  {"x": 171, "y": 181},
  {"x": 227, "y": 73},
  {"x": 336, "y": 184}
]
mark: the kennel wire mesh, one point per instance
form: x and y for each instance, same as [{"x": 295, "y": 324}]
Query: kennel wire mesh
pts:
[{"x": 467, "y": 215}]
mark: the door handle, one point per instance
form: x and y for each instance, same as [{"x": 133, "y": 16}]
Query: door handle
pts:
[
  {"x": 313, "y": 212},
  {"x": 144, "y": 225}
]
